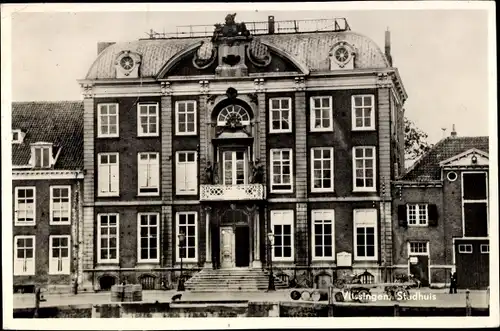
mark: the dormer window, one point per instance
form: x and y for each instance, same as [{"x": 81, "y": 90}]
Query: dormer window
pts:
[
  {"x": 41, "y": 155},
  {"x": 17, "y": 136}
]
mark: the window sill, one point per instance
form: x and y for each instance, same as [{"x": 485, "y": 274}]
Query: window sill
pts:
[
  {"x": 322, "y": 191},
  {"x": 105, "y": 137},
  {"x": 59, "y": 223},
  {"x": 148, "y": 194},
  {"x": 148, "y": 135},
  {"x": 59, "y": 273},
  {"x": 362, "y": 129},
  {"x": 186, "y": 193},
  {"x": 418, "y": 225},
  {"x": 277, "y": 132},
  {"x": 108, "y": 195},
  {"x": 186, "y": 134},
  {"x": 24, "y": 224},
  {"x": 322, "y": 130},
  {"x": 33, "y": 274},
  {"x": 280, "y": 192},
  {"x": 363, "y": 259},
  {"x": 367, "y": 190}
]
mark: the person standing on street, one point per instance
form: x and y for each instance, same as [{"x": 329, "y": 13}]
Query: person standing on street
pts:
[{"x": 453, "y": 285}]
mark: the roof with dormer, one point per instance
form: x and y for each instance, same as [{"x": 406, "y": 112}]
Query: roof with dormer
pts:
[
  {"x": 59, "y": 123},
  {"x": 311, "y": 50},
  {"x": 428, "y": 167}
]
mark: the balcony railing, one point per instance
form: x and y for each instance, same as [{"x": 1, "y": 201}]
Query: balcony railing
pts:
[{"x": 232, "y": 192}]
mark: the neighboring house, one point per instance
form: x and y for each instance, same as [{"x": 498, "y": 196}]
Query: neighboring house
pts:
[
  {"x": 441, "y": 217},
  {"x": 228, "y": 137},
  {"x": 47, "y": 162}
]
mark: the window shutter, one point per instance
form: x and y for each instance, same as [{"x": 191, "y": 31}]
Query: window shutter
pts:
[
  {"x": 103, "y": 178},
  {"x": 114, "y": 177},
  {"x": 433, "y": 215},
  {"x": 402, "y": 216},
  {"x": 180, "y": 177}
]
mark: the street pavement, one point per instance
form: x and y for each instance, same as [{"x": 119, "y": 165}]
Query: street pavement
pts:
[{"x": 418, "y": 298}]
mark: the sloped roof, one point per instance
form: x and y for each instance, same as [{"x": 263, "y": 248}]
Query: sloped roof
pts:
[
  {"x": 311, "y": 49},
  {"x": 427, "y": 167},
  {"x": 60, "y": 123}
]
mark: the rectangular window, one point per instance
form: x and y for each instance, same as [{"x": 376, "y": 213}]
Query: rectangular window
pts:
[
  {"x": 60, "y": 204},
  {"x": 147, "y": 120},
  {"x": 186, "y": 173},
  {"x": 108, "y": 239},
  {"x": 364, "y": 168},
  {"x": 321, "y": 114},
  {"x": 365, "y": 236},
  {"x": 282, "y": 228},
  {"x": 59, "y": 260},
  {"x": 281, "y": 170},
  {"x": 42, "y": 156},
  {"x": 148, "y": 237},
  {"x": 187, "y": 226},
  {"x": 465, "y": 248},
  {"x": 108, "y": 175},
  {"x": 322, "y": 169},
  {"x": 148, "y": 173},
  {"x": 25, "y": 206},
  {"x": 323, "y": 237},
  {"x": 24, "y": 255},
  {"x": 485, "y": 248},
  {"x": 418, "y": 248},
  {"x": 363, "y": 114},
  {"x": 17, "y": 137},
  {"x": 417, "y": 214},
  {"x": 107, "y": 120},
  {"x": 280, "y": 112},
  {"x": 185, "y": 112}
]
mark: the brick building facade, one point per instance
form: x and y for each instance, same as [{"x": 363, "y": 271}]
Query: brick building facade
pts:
[
  {"x": 229, "y": 138},
  {"x": 441, "y": 216}
]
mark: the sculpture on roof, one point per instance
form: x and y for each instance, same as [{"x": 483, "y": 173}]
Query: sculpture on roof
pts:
[{"x": 230, "y": 29}]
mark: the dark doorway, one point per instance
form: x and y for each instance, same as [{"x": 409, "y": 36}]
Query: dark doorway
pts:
[
  {"x": 242, "y": 243},
  {"x": 420, "y": 269},
  {"x": 106, "y": 282}
]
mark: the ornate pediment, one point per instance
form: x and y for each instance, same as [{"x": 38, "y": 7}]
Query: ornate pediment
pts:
[{"x": 470, "y": 158}]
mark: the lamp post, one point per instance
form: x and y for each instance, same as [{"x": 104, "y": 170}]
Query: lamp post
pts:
[
  {"x": 270, "y": 287},
  {"x": 180, "y": 283}
]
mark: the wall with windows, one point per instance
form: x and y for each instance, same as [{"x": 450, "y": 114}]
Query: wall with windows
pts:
[
  {"x": 126, "y": 127},
  {"x": 44, "y": 216}
]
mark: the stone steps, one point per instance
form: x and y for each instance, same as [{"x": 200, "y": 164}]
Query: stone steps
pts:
[{"x": 240, "y": 279}]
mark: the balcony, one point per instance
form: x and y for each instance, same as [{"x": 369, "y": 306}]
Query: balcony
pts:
[{"x": 232, "y": 192}]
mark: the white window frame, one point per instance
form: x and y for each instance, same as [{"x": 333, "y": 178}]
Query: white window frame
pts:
[
  {"x": 283, "y": 217},
  {"x": 20, "y": 136},
  {"x": 365, "y": 222},
  {"x": 140, "y": 132},
  {"x": 52, "y": 210},
  {"x": 281, "y": 150},
  {"x": 195, "y": 129},
  {"x": 177, "y": 232},
  {"x": 485, "y": 248},
  {"x": 16, "y": 210},
  {"x": 99, "y": 259},
  {"x": 33, "y": 262},
  {"x": 363, "y": 107},
  {"x": 280, "y": 112},
  {"x": 51, "y": 258},
  {"x": 108, "y": 193},
  {"x": 41, "y": 146},
  {"x": 148, "y": 165},
  {"x": 374, "y": 159},
  {"x": 139, "y": 247},
  {"x": 464, "y": 248},
  {"x": 332, "y": 158},
  {"x": 426, "y": 253},
  {"x": 313, "y": 114},
  {"x": 108, "y": 135},
  {"x": 314, "y": 214},
  {"x": 183, "y": 190},
  {"x": 418, "y": 208}
]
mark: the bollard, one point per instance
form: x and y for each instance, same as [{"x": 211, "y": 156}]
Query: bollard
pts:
[
  {"x": 396, "y": 310},
  {"x": 468, "y": 310},
  {"x": 488, "y": 297}
]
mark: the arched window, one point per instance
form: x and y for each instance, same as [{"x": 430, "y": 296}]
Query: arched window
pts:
[{"x": 233, "y": 111}]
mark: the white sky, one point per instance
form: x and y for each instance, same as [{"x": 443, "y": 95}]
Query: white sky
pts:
[{"x": 441, "y": 54}]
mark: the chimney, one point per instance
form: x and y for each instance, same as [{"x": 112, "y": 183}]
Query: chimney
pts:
[
  {"x": 270, "y": 24},
  {"x": 453, "y": 132},
  {"x": 103, "y": 45},
  {"x": 388, "y": 46}
]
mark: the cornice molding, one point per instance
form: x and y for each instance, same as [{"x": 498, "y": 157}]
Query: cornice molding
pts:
[{"x": 46, "y": 174}]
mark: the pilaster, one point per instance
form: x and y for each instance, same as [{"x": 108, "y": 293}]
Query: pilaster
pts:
[
  {"x": 300, "y": 145},
  {"x": 301, "y": 237}
]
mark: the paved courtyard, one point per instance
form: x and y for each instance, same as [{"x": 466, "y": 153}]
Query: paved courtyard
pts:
[{"x": 419, "y": 298}]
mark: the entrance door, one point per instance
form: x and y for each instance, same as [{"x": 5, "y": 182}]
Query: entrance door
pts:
[
  {"x": 227, "y": 247},
  {"x": 418, "y": 261},
  {"x": 242, "y": 237},
  {"x": 235, "y": 167},
  {"x": 472, "y": 263}
]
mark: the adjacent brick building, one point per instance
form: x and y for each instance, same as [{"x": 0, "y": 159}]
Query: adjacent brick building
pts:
[
  {"x": 47, "y": 162},
  {"x": 441, "y": 217},
  {"x": 226, "y": 139}
]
